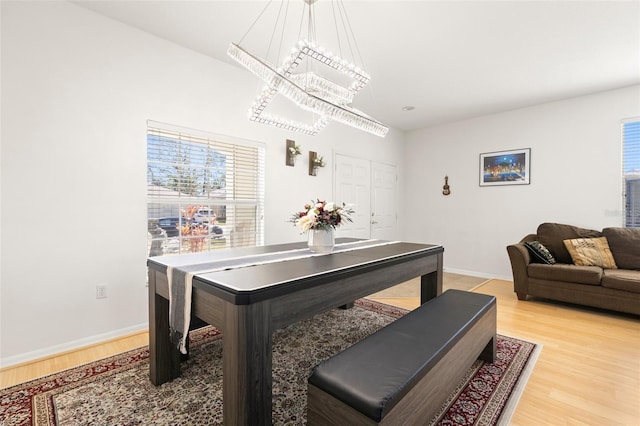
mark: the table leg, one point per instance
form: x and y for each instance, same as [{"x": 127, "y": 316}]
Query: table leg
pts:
[
  {"x": 164, "y": 357},
  {"x": 246, "y": 358},
  {"x": 431, "y": 284}
]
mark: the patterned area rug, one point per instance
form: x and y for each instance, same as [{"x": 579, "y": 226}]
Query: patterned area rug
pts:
[{"x": 117, "y": 391}]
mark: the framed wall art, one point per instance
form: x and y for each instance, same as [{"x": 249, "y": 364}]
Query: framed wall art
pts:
[{"x": 505, "y": 167}]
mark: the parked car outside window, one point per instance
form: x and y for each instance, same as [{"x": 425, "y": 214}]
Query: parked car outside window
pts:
[
  {"x": 204, "y": 216},
  {"x": 171, "y": 225}
]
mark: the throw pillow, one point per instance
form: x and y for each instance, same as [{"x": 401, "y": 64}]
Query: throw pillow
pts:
[
  {"x": 540, "y": 253},
  {"x": 591, "y": 252},
  {"x": 552, "y": 236}
]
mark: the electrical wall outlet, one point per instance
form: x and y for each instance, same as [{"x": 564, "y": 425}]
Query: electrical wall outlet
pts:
[{"x": 101, "y": 291}]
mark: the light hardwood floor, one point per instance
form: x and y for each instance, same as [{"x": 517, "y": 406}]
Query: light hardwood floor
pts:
[{"x": 587, "y": 374}]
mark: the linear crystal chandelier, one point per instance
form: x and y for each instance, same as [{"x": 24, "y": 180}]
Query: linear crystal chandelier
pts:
[{"x": 298, "y": 79}]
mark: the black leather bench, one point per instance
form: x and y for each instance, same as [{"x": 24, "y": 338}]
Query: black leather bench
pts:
[{"x": 403, "y": 373}]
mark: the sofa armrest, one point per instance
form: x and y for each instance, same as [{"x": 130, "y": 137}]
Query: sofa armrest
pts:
[
  {"x": 520, "y": 259},
  {"x": 529, "y": 238}
]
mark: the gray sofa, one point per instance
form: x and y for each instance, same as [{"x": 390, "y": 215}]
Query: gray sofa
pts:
[{"x": 553, "y": 274}]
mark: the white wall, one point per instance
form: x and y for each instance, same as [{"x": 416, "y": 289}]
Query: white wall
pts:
[
  {"x": 575, "y": 177},
  {"x": 77, "y": 90}
]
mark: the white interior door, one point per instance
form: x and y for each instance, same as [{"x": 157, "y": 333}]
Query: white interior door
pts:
[
  {"x": 383, "y": 201},
  {"x": 352, "y": 183},
  {"x": 370, "y": 188}
]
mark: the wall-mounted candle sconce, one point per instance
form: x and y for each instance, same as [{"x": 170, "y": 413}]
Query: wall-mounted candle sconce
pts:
[
  {"x": 293, "y": 151},
  {"x": 315, "y": 162}
]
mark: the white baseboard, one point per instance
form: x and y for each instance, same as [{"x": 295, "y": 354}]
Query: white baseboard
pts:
[
  {"x": 80, "y": 343},
  {"x": 69, "y": 346},
  {"x": 478, "y": 274}
]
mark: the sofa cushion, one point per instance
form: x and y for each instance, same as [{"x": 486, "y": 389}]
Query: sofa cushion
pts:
[
  {"x": 622, "y": 279},
  {"x": 590, "y": 252},
  {"x": 625, "y": 246},
  {"x": 552, "y": 235},
  {"x": 539, "y": 253},
  {"x": 569, "y": 273}
]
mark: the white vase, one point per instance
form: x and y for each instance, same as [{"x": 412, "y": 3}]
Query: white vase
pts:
[{"x": 321, "y": 241}]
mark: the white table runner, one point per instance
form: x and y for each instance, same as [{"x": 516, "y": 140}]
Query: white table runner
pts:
[{"x": 180, "y": 280}]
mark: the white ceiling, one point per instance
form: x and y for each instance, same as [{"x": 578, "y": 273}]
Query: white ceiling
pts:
[{"x": 451, "y": 60}]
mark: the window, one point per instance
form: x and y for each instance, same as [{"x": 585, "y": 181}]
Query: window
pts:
[
  {"x": 204, "y": 191},
  {"x": 631, "y": 171}
]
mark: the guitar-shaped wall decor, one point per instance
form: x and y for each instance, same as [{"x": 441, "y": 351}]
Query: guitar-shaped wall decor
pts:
[{"x": 445, "y": 188}]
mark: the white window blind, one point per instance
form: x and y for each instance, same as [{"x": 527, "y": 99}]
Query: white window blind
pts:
[
  {"x": 631, "y": 171},
  {"x": 204, "y": 191}
]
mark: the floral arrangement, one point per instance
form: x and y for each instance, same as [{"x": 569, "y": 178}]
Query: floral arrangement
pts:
[
  {"x": 322, "y": 215},
  {"x": 295, "y": 150},
  {"x": 318, "y": 162}
]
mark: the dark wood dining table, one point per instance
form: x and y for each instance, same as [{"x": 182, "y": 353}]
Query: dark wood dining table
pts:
[{"x": 248, "y": 303}]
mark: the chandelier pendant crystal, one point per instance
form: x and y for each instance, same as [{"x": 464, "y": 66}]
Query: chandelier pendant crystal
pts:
[{"x": 308, "y": 90}]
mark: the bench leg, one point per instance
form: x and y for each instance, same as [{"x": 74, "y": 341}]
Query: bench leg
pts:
[{"x": 488, "y": 354}]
